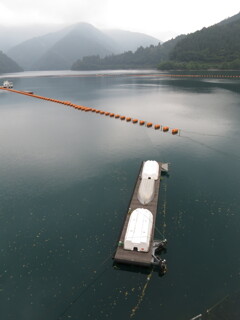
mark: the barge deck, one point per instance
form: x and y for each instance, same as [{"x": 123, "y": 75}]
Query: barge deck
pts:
[{"x": 145, "y": 259}]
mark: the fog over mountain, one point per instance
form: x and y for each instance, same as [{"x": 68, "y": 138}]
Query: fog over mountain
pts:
[
  {"x": 7, "y": 64},
  {"x": 12, "y": 36},
  {"x": 126, "y": 40},
  {"x": 58, "y": 50}
]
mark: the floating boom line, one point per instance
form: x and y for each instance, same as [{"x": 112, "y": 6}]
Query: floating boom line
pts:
[{"x": 174, "y": 131}]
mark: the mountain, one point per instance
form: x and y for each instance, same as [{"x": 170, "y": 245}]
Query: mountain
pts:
[
  {"x": 217, "y": 46},
  {"x": 7, "y": 64},
  {"x": 126, "y": 40},
  {"x": 14, "y": 35},
  {"x": 27, "y": 53},
  {"x": 82, "y": 40},
  {"x": 234, "y": 18},
  {"x": 148, "y": 57},
  {"x": 58, "y": 50}
]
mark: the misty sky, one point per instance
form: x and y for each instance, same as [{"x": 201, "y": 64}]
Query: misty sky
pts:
[{"x": 162, "y": 19}]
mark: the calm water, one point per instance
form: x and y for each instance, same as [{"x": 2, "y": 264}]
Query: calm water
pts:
[{"x": 66, "y": 178}]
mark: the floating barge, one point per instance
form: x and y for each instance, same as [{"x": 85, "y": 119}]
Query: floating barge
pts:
[{"x": 136, "y": 244}]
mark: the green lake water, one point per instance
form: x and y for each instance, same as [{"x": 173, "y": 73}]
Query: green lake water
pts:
[{"x": 66, "y": 178}]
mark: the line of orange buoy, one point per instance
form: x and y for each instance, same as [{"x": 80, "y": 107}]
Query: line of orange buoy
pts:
[
  {"x": 198, "y": 76},
  {"x": 101, "y": 112},
  {"x": 178, "y": 75}
]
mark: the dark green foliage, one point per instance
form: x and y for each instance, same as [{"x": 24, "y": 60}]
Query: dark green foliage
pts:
[
  {"x": 193, "y": 65},
  {"x": 148, "y": 57},
  {"x": 7, "y": 64},
  {"x": 214, "y": 47}
]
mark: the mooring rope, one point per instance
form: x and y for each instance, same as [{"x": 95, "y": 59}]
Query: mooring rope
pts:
[{"x": 141, "y": 296}]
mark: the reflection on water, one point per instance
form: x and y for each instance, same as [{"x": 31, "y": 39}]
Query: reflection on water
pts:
[{"x": 67, "y": 178}]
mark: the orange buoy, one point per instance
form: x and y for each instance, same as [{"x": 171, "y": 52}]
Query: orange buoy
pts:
[
  {"x": 135, "y": 121},
  {"x": 107, "y": 113},
  {"x": 141, "y": 122},
  {"x": 149, "y": 124},
  {"x": 122, "y": 117},
  {"x": 128, "y": 119},
  {"x": 165, "y": 129},
  {"x": 117, "y": 116},
  {"x": 93, "y": 110},
  {"x": 102, "y": 112},
  {"x": 174, "y": 131},
  {"x": 97, "y": 111},
  {"x": 111, "y": 115},
  {"x": 157, "y": 126}
]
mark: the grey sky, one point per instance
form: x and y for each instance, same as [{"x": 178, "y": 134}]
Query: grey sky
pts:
[{"x": 162, "y": 19}]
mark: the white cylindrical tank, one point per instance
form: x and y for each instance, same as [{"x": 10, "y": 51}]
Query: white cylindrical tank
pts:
[
  {"x": 150, "y": 170},
  {"x": 146, "y": 191},
  {"x": 139, "y": 230}
]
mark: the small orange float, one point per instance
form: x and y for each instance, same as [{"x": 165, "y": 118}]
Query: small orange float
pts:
[
  {"x": 165, "y": 129},
  {"x": 157, "y": 126},
  {"x": 107, "y": 113},
  {"x": 135, "y": 121},
  {"x": 174, "y": 131},
  {"x": 111, "y": 115},
  {"x": 141, "y": 122},
  {"x": 122, "y": 117},
  {"x": 117, "y": 116},
  {"x": 149, "y": 124},
  {"x": 128, "y": 119}
]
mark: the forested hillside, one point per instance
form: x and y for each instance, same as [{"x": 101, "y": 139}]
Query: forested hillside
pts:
[
  {"x": 147, "y": 57},
  {"x": 7, "y": 64},
  {"x": 215, "y": 47}
]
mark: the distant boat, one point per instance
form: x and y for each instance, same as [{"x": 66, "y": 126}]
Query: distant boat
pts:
[
  {"x": 7, "y": 84},
  {"x": 29, "y": 92}
]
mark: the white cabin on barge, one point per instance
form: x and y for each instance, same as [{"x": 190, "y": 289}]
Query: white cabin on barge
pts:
[{"x": 139, "y": 230}]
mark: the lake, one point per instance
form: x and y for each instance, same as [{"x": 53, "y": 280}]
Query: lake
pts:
[{"x": 66, "y": 178}]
